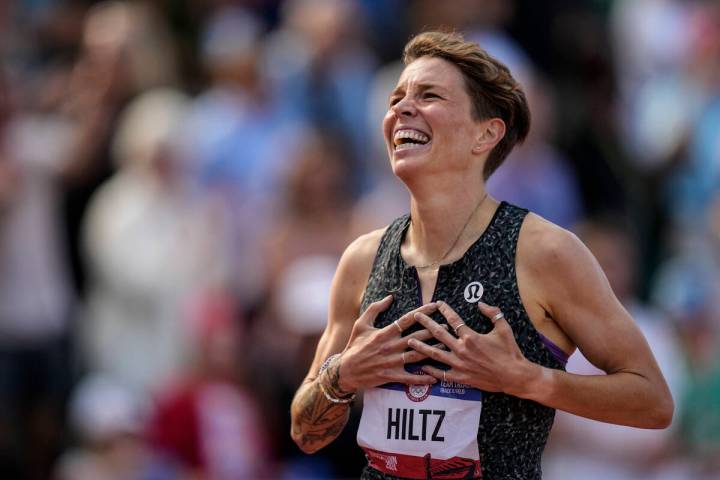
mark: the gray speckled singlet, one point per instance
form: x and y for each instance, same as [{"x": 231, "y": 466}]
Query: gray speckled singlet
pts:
[{"x": 512, "y": 432}]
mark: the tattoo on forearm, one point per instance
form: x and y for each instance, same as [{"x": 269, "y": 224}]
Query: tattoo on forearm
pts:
[
  {"x": 316, "y": 422},
  {"x": 333, "y": 373},
  {"x": 321, "y": 435}
]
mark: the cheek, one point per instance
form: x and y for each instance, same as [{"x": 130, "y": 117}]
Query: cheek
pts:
[
  {"x": 456, "y": 134},
  {"x": 463, "y": 130},
  {"x": 388, "y": 123},
  {"x": 445, "y": 119}
]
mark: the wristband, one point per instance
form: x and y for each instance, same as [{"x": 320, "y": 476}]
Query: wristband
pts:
[
  {"x": 328, "y": 395},
  {"x": 335, "y": 399},
  {"x": 326, "y": 363}
]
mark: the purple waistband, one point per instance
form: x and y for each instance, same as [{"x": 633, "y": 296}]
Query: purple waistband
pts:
[{"x": 554, "y": 349}]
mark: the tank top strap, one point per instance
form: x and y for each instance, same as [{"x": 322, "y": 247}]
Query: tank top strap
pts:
[
  {"x": 392, "y": 238},
  {"x": 502, "y": 233},
  {"x": 386, "y": 265}
]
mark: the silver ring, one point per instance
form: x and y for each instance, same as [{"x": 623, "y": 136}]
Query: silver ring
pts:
[
  {"x": 403, "y": 358},
  {"x": 398, "y": 326},
  {"x": 462, "y": 324},
  {"x": 498, "y": 316}
]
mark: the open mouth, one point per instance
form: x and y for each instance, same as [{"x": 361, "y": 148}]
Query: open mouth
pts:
[{"x": 408, "y": 139}]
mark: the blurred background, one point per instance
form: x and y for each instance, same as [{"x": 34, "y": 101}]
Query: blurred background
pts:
[{"x": 179, "y": 177}]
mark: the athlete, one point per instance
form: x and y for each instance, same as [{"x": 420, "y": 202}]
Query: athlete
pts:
[{"x": 456, "y": 320}]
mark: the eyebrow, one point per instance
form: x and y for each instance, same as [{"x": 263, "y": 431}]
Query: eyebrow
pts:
[{"x": 421, "y": 86}]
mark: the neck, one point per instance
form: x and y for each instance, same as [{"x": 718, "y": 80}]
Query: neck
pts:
[{"x": 444, "y": 218}]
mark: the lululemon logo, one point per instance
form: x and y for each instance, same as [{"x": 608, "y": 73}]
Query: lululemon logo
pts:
[{"x": 473, "y": 292}]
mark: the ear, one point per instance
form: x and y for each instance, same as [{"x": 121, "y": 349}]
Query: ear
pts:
[{"x": 490, "y": 132}]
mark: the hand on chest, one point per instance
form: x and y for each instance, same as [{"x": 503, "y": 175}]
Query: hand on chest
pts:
[{"x": 462, "y": 293}]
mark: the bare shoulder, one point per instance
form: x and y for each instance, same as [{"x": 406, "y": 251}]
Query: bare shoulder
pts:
[
  {"x": 554, "y": 270},
  {"x": 360, "y": 254},
  {"x": 564, "y": 277},
  {"x": 353, "y": 271},
  {"x": 550, "y": 249},
  {"x": 363, "y": 249}
]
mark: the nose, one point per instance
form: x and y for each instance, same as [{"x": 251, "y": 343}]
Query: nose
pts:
[{"x": 404, "y": 107}]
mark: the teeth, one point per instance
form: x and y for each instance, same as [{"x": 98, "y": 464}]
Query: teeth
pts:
[
  {"x": 410, "y": 134},
  {"x": 408, "y": 146}
]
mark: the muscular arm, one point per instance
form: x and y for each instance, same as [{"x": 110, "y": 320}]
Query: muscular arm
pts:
[
  {"x": 576, "y": 295},
  {"x": 315, "y": 420}
]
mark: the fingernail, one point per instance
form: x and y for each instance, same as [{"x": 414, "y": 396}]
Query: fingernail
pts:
[
  {"x": 482, "y": 304},
  {"x": 411, "y": 342}
]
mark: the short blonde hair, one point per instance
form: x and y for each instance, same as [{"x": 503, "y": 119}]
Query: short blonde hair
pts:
[{"x": 493, "y": 90}]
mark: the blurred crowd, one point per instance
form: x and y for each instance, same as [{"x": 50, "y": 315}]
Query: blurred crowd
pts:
[{"x": 179, "y": 177}]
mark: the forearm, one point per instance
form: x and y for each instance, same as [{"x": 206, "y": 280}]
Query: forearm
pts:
[
  {"x": 317, "y": 421},
  {"x": 623, "y": 398}
]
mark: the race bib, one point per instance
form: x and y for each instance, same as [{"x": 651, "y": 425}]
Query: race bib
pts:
[{"x": 422, "y": 431}]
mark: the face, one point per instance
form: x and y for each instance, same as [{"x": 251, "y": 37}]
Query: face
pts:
[{"x": 429, "y": 124}]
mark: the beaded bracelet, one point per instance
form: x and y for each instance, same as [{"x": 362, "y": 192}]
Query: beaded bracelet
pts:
[
  {"x": 324, "y": 390},
  {"x": 326, "y": 363},
  {"x": 335, "y": 399}
]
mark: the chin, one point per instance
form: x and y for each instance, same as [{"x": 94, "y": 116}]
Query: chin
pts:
[{"x": 409, "y": 167}]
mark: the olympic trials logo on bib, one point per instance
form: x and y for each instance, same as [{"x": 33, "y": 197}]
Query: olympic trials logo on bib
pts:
[
  {"x": 417, "y": 393},
  {"x": 473, "y": 292}
]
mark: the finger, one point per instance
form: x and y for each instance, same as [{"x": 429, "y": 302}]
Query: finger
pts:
[
  {"x": 413, "y": 379},
  {"x": 435, "y": 353},
  {"x": 368, "y": 317},
  {"x": 493, "y": 313},
  {"x": 444, "y": 375},
  {"x": 423, "y": 334},
  {"x": 488, "y": 310},
  {"x": 403, "y": 323},
  {"x": 413, "y": 356},
  {"x": 436, "y": 330},
  {"x": 453, "y": 319}
]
